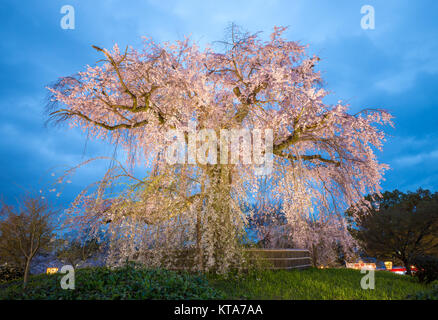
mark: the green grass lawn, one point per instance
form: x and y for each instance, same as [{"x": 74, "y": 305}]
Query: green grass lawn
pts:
[
  {"x": 137, "y": 283},
  {"x": 316, "y": 284}
]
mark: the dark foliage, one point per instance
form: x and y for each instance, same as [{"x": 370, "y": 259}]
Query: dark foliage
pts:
[
  {"x": 427, "y": 268},
  {"x": 131, "y": 282},
  {"x": 397, "y": 226},
  {"x": 428, "y": 294},
  {"x": 9, "y": 273}
]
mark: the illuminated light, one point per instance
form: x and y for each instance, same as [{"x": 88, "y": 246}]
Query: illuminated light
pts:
[
  {"x": 361, "y": 265},
  {"x": 51, "y": 270},
  {"x": 388, "y": 265}
]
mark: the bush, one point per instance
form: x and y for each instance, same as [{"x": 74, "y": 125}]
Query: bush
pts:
[
  {"x": 130, "y": 282},
  {"x": 427, "y": 268},
  {"x": 76, "y": 252},
  {"x": 431, "y": 294},
  {"x": 9, "y": 273}
]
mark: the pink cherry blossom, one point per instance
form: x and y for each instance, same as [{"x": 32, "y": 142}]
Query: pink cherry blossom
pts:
[{"x": 324, "y": 157}]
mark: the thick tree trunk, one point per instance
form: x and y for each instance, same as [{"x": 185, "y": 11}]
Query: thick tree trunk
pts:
[
  {"x": 314, "y": 256},
  {"x": 26, "y": 273},
  {"x": 199, "y": 250},
  {"x": 408, "y": 267},
  {"x": 200, "y": 253}
]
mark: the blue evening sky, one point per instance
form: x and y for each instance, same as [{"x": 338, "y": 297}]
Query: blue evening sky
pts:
[{"x": 394, "y": 66}]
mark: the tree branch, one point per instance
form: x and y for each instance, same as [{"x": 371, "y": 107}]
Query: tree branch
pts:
[
  {"x": 64, "y": 113},
  {"x": 309, "y": 158}
]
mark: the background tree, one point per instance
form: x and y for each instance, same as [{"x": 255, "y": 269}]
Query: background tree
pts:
[
  {"x": 325, "y": 236},
  {"x": 323, "y": 156},
  {"x": 398, "y": 226},
  {"x": 75, "y": 252},
  {"x": 25, "y": 231}
]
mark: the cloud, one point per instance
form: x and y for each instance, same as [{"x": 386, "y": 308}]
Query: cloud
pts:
[
  {"x": 394, "y": 66},
  {"x": 413, "y": 160}
]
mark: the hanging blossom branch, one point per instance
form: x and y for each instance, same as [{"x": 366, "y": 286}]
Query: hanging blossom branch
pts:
[{"x": 322, "y": 154}]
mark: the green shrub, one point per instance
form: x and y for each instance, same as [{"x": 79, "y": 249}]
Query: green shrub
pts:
[
  {"x": 427, "y": 268},
  {"x": 129, "y": 282},
  {"x": 430, "y": 294},
  {"x": 9, "y": 273}
]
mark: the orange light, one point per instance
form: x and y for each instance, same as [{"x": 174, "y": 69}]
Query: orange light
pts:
[
  {"x": 51, "y": 270},
  {"x": 388, "y": 265},
  {"x": 361, "y": 265}
]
